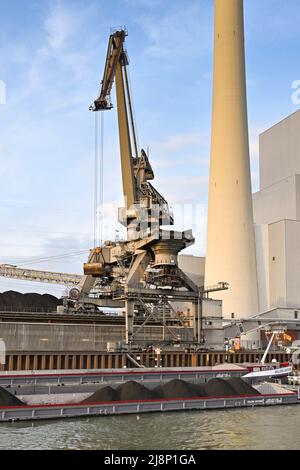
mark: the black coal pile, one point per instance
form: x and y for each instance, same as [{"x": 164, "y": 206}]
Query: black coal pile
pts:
[
  {"x": 241, "y": 387},
  {"x": 219, "y": 388},
  {"x": 8, "y": 399},
  {"x": 178, "y": 389},
  {"x": 14, "y": 299},
  {"x": 127, "y": 391},
  {"x": 233, "y": 386},
  {"x": 104, "y": 394},
  {"x": 133, "y": 391},
  {"x": 174, "y": 389}
]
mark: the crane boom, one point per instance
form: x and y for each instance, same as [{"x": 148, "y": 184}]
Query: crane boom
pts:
[
  {"x": 116, "y": 62},
  {"x": 114, "y": 52},
  {"x": 136, "y": 169}
]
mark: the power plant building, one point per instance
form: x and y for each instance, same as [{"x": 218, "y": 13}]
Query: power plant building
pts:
[{"x": 277, "y": 215}]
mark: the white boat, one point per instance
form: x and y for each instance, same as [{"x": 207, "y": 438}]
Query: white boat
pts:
[
  {"x": 263, "y": 370},
  {"x": 269, "y": 372}
]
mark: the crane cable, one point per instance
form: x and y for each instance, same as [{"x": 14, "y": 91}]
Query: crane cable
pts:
[
  {"x": 101, "y": 176},
  {"x": 98, "y": 181},
  {"x": 49, "y": 258},
  {"x": 96, "y": 165}
]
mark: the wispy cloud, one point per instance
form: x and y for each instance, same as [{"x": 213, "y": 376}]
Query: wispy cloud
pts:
[
  {"x": 181, "y": 141},
  {"x": 61, "y": 24},
  {"x": 181, "y": 29}
]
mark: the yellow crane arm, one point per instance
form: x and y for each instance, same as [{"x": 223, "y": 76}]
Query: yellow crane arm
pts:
[{"x": 115, "y": 68}]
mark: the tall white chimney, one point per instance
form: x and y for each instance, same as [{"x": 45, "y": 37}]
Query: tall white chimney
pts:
[{"x": 230, "y": 234}]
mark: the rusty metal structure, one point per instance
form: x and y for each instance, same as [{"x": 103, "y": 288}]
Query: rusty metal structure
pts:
[{"x": 57, "y": 360}]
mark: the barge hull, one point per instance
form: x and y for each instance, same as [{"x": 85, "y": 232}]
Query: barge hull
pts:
[{"x": 42, "y": 412}]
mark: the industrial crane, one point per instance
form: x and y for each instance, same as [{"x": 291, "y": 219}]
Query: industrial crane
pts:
[
  {"x": 140, "y": 273},
  {"x": 145, "y": 265}
]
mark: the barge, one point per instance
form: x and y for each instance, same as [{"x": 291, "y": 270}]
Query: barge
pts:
[{"x": 42, "y": 412}]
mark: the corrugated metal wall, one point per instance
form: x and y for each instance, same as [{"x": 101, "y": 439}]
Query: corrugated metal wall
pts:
[{"x": 65, "y": 337}]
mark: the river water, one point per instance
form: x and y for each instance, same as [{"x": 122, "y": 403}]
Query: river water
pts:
[{"x": 255, "y": 428}]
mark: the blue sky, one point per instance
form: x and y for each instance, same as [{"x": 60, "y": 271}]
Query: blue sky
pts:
[{"x": 52, "y": 54}]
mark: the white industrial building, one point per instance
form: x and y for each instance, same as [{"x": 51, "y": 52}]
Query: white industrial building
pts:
[{"x": 276, "y": 209}]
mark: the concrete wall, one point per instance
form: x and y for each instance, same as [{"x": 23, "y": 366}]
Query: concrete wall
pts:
[
  {"x": 279, "y": 153},
  {"x": 277, "y": 213},
  {"x": 277, "y": 265},
  {"x": 212, "y": 308},
  {"x": 285, "y": 314},
  {"x": 193, "y": 267},
  {"x": 278, "y": 202},
  {"x": 292, "y": 247},
  {"x": 212, "y": 323},
  {"x": 262, "y": 261},
  {"x": 284, "y": 259},
  {"x": 215, "y": 338}
]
